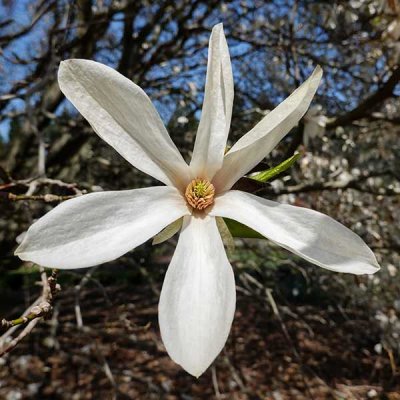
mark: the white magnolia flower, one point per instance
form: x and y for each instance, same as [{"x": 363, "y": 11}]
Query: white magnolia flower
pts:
[{"x": 197, "y": 301}]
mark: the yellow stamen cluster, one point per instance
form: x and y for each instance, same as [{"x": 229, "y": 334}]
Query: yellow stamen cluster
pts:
[{"x": 200, "y": 193}]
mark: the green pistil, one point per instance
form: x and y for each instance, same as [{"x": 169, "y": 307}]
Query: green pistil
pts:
[{"x": 200, "y": 189}]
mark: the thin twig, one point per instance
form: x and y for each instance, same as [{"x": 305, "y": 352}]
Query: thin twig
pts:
[
  {"x": 25, "y": 332},
  {"x": 215, "y": 382},
  {"x": 33, "y": 183},
  {"x": 235, "y": 375},
  {"x": 86, "y": 278},
  {"x": 277, "y": 314},
  {"x": 41, "y": 308},
  {"x": 47, "y": 198}
]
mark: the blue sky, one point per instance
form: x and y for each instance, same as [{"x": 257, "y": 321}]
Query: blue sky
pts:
[{"x": 336, "y": 85}]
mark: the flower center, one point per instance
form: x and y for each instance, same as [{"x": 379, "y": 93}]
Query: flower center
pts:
[{"x": 200, "y": 193}]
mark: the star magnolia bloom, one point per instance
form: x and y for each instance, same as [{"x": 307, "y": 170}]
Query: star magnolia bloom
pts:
[{"x": 198, "y": 298}]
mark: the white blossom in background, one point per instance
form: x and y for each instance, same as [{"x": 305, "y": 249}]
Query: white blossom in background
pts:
[
  {"x": 182, "y": 120},
  {"x": 392, "y": 35},
  {"x": 197, "y": 302},
  {"x": 314, "y": 124},
  {"x": 393, "y": 30}
]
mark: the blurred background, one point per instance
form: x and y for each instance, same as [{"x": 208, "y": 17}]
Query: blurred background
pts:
[{"x": 300, "y": 332}]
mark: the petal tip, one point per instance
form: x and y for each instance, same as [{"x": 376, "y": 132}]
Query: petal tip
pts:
[
  {"x": 71, "y": 63},
  {"x": 218, "y": 29},
  {"x": 369, "y": 268},
  {"x": 375, "y": 268},
  {"x": 370, "y": 271},
  {"x": 195, "y": 371},
  {"x": 317, "y": 73},
  {"x": 372, "y": 267},
  {"x": 63, "y": 71},
  {"x": 66, "y": 63},
  {"x": 21, "y": 255},
  {"x": 19, "y": 251}
]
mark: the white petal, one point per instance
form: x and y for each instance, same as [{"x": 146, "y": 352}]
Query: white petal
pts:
[
  {"x": 216, "y": 114},
  {"x": 121, "y": 114},
  {"x": 307, "y": 233},
  {"x": 198, "y": 297},
  {"x": 249, "y": 150},
  {"x": 100, "y": 227}
]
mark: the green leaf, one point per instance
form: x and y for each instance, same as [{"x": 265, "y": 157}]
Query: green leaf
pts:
[
  {"x": 26, "y": 269},
  {"x": 226, "y": 235},
  {"x": 239, "y": 230},
  {"x": 268, "y": 174}
]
